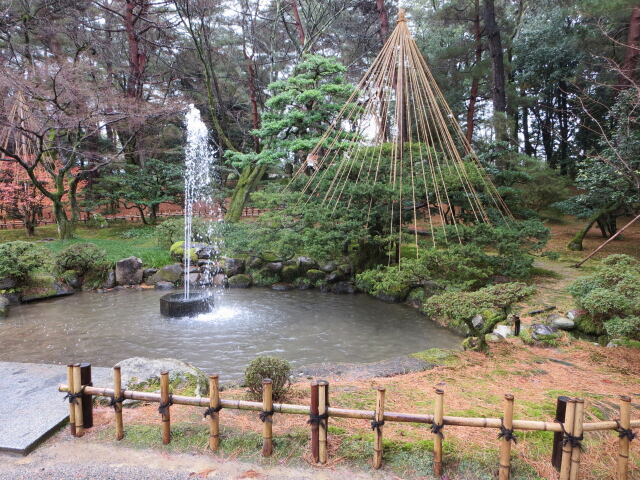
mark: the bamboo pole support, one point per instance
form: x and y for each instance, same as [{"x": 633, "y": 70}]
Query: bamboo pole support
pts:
[
  {"x": 505, "y": 443},
  {"x": 623, "y": 443},
  {"x": 164, "y": 401},
  {"x": 578, "y": 420},
  {"x": 72, "y": 407},
  {"x": 323, "y": 405},
  {"x": 117, "y": 406},
  {"x": 437, "y": 438},
  {"x": 214, "y": 418},
  {"x": 267, "y": 425},
  {"x": 315, "y": 434},
  {"x": 565, "y": 464},
  {"x": 77, "y": 402},
  {"x": 379, "y": 417}
]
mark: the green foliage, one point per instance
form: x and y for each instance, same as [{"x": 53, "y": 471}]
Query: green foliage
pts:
[
  {"x": 277, "y": 369},
  {"x": 82, "y": 258},
  {"x": 611, "y": 297},
  {"x": 177, "y": 251},
  {"x": 172, "y": 230},
  {"x": 19, "y": 259},
  {"x": 97, "y": 221}
]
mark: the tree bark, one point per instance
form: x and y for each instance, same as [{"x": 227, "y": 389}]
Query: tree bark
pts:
[
  {"x": 65, "y": 227},
  {"x": 384, "y": 20},
  {"x": 497, "y": 60},
  {"x": 475, "y": 82},
  {"x": 247, "y": 183},
  {"x": 299, "y": 27},
  {"x": 628, "y": 75}
]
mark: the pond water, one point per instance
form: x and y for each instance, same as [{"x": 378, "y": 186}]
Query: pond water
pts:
[{"x": 302, "y": 326}]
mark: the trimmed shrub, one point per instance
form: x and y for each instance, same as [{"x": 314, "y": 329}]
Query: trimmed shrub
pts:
[
  {"x": 82, "y": 258},
  {"x": 19, "y": 259},
  {"x": 277, "y": 369},
  {"x": 172, "y": 230}
]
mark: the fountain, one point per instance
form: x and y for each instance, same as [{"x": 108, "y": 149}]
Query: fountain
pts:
[{"x": 199, "y": 158}]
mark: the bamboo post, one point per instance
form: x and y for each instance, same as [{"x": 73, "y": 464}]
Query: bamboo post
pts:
[
  {"x": 267, "y": 425},
  {"x": 377, "y": 427},
  {"x": 315, "y": 434},
  {"x": 556, "y": 454},
  {"x": 437, "y": 437},
  {"x": 505, "y": 440},
  {"x": 214, "y": 417},
  {"x": 164, "y": 407},
  {"x": 578, "y": 420},
  {"x": 323, "y": 405},
  {"x": 565, "y": 464},
  {"x": 87, "y": 400},
  {"x": 117, "y": 402},
  {"x": 77, "y": 388},
  {"x": 623, "y": 443},
  {"x": 72, "y": 407}
]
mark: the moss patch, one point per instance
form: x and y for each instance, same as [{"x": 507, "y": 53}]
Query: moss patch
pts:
[{"x": 437, "y": 356}]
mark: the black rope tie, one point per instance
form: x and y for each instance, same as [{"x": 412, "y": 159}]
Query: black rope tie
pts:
[
  {"x": 568, "y": 439},
  {"x": 163, "y": 409},
  {"x": 506, "y": 433},
  {"x": 72, "y": 396},
  {"x": 436, "y": 429},
  {"x": 212, "y": 410},
  {"x": 317, "y": 419},
  {"x": 114, "y": 401},
  {"x": 375, "y": 425},
  {"x": 267, "y": 416},
  {"x": 625, "y": 432}
]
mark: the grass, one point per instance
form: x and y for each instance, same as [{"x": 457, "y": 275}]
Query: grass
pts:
[{"x": 119, "y": 241}]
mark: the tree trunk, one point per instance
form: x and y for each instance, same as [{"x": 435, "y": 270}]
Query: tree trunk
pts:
[
  {"x": 299, "y": 27},
  {"x": 384, "y": 20},
  {"x": 631, "y": 55},
  {"x": 528, "y": 147},
  {"x": 247, "y": 182},
  {"x": 475, "y": 82},
  {"x": 65, "y": 227},
  {"x": 497, "y": 60},
  {"x": 576, "y": 241}
]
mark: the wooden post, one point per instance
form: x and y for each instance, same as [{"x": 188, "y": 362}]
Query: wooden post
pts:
[
  {"x": 437, "y": 437},
  {"x": 117, "y": 406},
  {"x": 315, "y": 435},
  {"x": 379, "y": 420},
  {"x": 565, "y": 464},
  {"x": 72, "y": 407},
  {"x": 505, "y": 442},
  {"x": 267, "y": 425},
  {"x": 578, "y": 419},
  {"x": 323, "y": 404},
  {"x": 77, "y": 388},
  {"x": 556, "y": 455},
  {"x": 623, "y": 443},
  {"x": 214, "y": 418},
  {"x": 165, "y": 407},
  {"x": 87, "y": 400}
]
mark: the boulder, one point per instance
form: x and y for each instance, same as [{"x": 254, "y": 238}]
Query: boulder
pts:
[
  {"x": 71, "y": 278},
  {"x": 575, "y": 315},
  {"x": 560, "y": 322},
  {"x": 233, "y": 266},
  {"x": 334, "y": 276},
  {"x": 110, "y": 281},
  {"x": 254, "y": 263},
  {"x": 240, "y": 281},
  {"x": 194, "y": 279},
  {"x": 141, "y": 372},
  {"x": 129, "y": 271},
  {"x": 540, "y": 331},
  {"x": 165, "y": 286},
  {"x": 7, "y": 283},
  {"x": 275, "y": 267},
  {"x": 4, "y": 307},
  {"x": 281, "y": 287},
  {"x": 315, "y": 275},
  {"x": 220, "y": 280},
  {"x": 43, "y": 286},
  {"x": 14, "y": 298},
  {"x": 306, "y": 263},
  {"x": 477, "y": 321},
  {"x": 329, "y": 267},
  {"x": 148, "y": 272},
  {"x": 204, "y": 252},
  {"x": 290, "y": 273},
  {"x": 493, "y": 337},
  {"x": 343, "y": 287},
  {"x": 302, "y": 283},
  {"x": 170, "y": 273},
  {"x": 503, "y": 331}
]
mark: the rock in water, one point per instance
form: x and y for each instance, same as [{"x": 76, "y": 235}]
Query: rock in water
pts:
[
  {"x": 138, "y": 372},
  {"x": 240, "y": 281},
  {"x": 563, "y": 323},
  {"x": 165, "y": 286},
  {"x": 170, "y": 273},
  {"x": 233, "y": 266},
  {"x": 129, "y": 271},
  {"x": 4, "y": 307},
  {"x": 110, "y": 281},
  {"x": 7, "y": 283}
]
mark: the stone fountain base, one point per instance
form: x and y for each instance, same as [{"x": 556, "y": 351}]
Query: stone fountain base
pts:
[{"x": 175, "y": 305}]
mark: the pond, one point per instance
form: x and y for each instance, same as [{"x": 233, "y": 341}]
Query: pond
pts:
[{"x": 302, "y": 326}]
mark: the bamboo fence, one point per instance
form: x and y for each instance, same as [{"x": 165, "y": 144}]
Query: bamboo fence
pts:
[{"x": 319, "y": 412}]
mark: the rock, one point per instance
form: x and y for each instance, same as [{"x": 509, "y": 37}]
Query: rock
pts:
[
  {"x": 343, "y": 287},
  {"x": 206, "y": 263},
  {"x": 493, "y": 338},
  {"x": 170, "y": 273},
  {"x": 72, "y": 279},
  {"x": 14, "y": 298},
  {"x": 306, "y": 263},
  {"x": 431, "y": 288},
  {"x": 302, "y": 283},
  {"x": 558, "y": 321},
  {"x": 290, "y": 273},
  {"x": 110, "y": 281},
  {"x": 43, "y": 286},
  {"x": 220, "y": 280},
  {"x": 315, "y": 275},
  {"x": 148, "y": 272},
  {"x": 139, "y": 372},
  {"x": 165, "y": 285},
  {"x": 334, "y": 276},
  {"x": 240, "y": 281},
  {"x": 575, "y": 315},
  {"x": 540, "y": 332},
  {"x": 177, "y": 252},
  {"x": 194, "y": 279},
  {"x": 194, "y": 269},
  {"x": 4, "y": 307},
  {"x": 275, "y": 267},
  {"x": 233, "y": 266},
  {"x": 129, "y": 271},
  {"x": 503, "y": 331},
  {"x": 204, "y": 252},
  {"x": 362, "y": 371},
  {"x": 345, "y": 269},
  {"x": 393, "y": 297},
  {"x": 7, "y": 283},
  {"x": 281, "y": 287},
  {"x": 329, "y": 267},
  {"x": 254, "y": 263},
  {"x": 477, "y": 321}
]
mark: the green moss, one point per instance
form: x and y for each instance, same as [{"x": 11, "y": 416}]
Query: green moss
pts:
[
  {"x": 586, "y": 324},
  {"x": 290, "y": 273},
  {"x": 437, "y": 356},
  {"x": 241, "y": 280},
  {"x": 624, "y": 342},
  {"x": 315, "y": 275},
  {"x": 177, "y": 251}
]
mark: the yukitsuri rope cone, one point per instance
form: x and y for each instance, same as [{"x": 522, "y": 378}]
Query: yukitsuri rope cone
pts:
[{"x": 397, "y": 129}]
